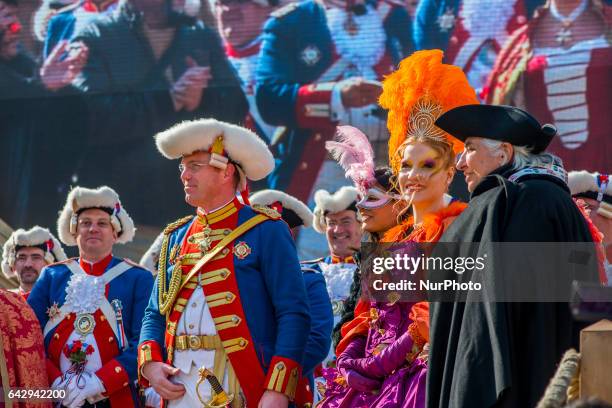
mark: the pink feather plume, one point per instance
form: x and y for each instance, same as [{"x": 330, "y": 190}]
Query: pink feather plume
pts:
[{"x": 352, "y": 149}]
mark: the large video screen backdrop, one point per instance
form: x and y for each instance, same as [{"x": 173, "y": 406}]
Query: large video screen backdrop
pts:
[{"x": 84, "y": 85}]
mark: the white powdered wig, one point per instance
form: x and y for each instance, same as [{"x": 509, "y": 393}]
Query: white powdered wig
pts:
[
  {"x": 331, "y": 203},
  {"x": 583, "y": 181},
  {"x": 36, "y": 236},
  {"x": 269, "y": 197},
  {"x": 150, "y": 258},
  {"x": 240, "y": 145},
  {"x": 81, "y": 198}
]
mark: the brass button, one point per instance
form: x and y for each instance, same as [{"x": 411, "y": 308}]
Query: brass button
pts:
[
  {"x": 303, "y": 166},
  {"x": 280, "y": 366},
  {"x": 242, "y": 343},
  {"x": 235, "y": 319},
  {"x": 223, "y": 274},
  {"x": 226, "y": 232},
  {"x": 110, "y": 339},
  {"x": 229, "y": 297},
  {"x": 146, "y": 347},
  {"x": 317, "y": 137},
  {"x": 56, "y": 336},
  {"x": 125, "y": 384},
  {"x": 191, "y": 326},
  {"x": 194, "y": 305},
  {"x": 102, "y": 318},
  {"x": 117, "y": 369}
]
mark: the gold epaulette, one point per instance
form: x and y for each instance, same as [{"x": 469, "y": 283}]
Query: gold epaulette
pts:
[
  {"x": 285, "y": 10},
  {"x": 267, "y": 211},
  {"x": 65, "y": 261},
  {"x": 167, "y": 293},
  {"x": 177, "y": 224}
]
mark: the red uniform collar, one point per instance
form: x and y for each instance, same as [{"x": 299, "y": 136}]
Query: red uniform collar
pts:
[
  {"x": 243, "y": 52},
  {"x": 98, "y": 268},
  {"x": 219, "y": 214},
  {"x": 336, "y": 259}
]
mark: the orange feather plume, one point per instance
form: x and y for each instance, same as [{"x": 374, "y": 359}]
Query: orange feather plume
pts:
[{"x": 426, "y": 87}]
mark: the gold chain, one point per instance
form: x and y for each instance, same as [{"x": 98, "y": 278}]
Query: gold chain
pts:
[{"x": 166, "y": 295}]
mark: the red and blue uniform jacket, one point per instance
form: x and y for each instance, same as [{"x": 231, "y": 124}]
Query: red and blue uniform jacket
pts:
[{"x": 255, "y": 282}]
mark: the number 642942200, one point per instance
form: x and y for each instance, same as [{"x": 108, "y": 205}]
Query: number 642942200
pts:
[{"x": 29, "y": 394}]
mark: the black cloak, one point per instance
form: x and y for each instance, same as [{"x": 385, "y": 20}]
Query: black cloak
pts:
[{"x": 486, "y": 354}]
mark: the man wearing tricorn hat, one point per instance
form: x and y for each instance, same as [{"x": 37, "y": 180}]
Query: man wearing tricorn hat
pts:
[
  {"x": 228, "y": 318},
  {"x": 91, "y": 307},
  {"x": 27, "y": 252},
  {"x": 491, "y": 353}
]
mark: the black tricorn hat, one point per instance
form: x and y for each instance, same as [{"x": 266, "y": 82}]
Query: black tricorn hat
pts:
[{"x": 498, "y": 122}]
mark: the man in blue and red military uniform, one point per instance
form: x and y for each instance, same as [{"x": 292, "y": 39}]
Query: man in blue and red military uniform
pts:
[
  {"x": 321, "y": 66},
  {"x": 470, "y": 32},
  {"x": 228, "y": 318},
  {"x": 70, "y": 19},
  {"x": 240, "y": 26},
  {"x": 296, "y": 214},
  {"x": 88, "y": 306}
]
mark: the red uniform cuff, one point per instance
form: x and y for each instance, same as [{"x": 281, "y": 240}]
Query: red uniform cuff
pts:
[
  {"x": 113, "y": 377},
  {"x": 52, "y": 371},
  {"x": 303, "y": 395},
  {"x": 148, "y": 351},
  {"x": 313, "y": 109},
  {"x": 283, "y": 376}
]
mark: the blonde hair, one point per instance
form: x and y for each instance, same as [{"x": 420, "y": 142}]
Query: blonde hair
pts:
[{"x": 440, "y": 145}]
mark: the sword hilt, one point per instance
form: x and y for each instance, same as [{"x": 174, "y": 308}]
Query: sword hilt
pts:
[{"x": 221, "y": 399}]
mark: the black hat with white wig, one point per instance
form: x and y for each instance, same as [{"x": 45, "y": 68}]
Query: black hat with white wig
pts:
[{"x": 497, "y": 122}]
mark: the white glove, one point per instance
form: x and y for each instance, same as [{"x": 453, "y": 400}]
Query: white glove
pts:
[
  {"x": 72, "y": 391},
  {"x": 92, "y": 387},
  {"x": 97, "y": 388},
  {"x": 58, "y": 384},
  {"x": 152, "y": 398}
]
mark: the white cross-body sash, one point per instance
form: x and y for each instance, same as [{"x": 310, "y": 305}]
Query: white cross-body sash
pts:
[{"x": 105, "y": 307}]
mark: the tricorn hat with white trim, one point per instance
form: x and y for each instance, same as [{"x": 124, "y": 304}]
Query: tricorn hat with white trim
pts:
[
  {"x": 34, "y": 237},
  {"x": 325, "y": 203},
  {"x": 224, "y": 141},
  {"x": 293, "y": 211},
  {"x": 103, "y": 198}
]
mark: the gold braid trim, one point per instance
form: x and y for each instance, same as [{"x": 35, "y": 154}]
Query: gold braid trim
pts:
[{"x": 167, "y": 295}]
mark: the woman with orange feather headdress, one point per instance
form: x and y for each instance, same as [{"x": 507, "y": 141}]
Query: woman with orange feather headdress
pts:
[{"x": 381, "y": 359}]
